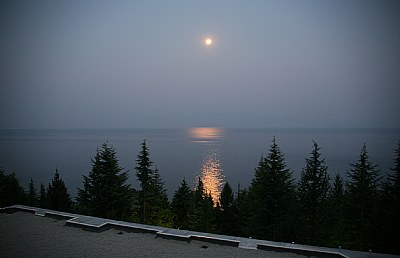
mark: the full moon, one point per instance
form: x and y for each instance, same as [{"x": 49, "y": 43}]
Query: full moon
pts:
[{"x": 208, "y": 41}]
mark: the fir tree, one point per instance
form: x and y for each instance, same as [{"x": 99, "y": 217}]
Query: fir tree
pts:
[
  {"x": 363, "y": 186},
  {"x": 42, "y": 196},
  {"x": 201, "y": 213},
  {"x": 158, "y": 208},
  {"x": 243, "y": 207},
  {"x": 181, "y": 204},
  {"x": 227, "y": 219},
  {"x": 394, "y": 177},
  {"x": 153, "y": 199},
  {"x": 336, "y": 202},
  {"x": 272, "y": 193},
  {"x": 144, "y": 174},
  {"x": 313, "y": 193},
  {"x": 105, "y": 192},
  {"x": 57, "y": 195},
  {"x": 32, "y": 195},
  {"x": 389, "y": 209},
  {"x": 11, "y": 192}
]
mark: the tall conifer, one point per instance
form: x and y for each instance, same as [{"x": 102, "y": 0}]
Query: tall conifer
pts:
[
  {"x": 32, "y": 194},
  {"x": 272, "y": 195},
  {"x": 313, "y": 193},
  {"x": 105, "y": 192},
  {"x": 57, "y": 195},
  {"x": 181, "y": 204},
  {"x": 363, "y": 186},
  {"x": 153, "y": 199}
]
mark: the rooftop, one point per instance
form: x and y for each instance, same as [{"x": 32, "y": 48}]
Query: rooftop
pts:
[{"x": 29, "y": 231}]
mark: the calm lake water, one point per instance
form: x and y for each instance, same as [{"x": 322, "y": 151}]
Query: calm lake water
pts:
[{"x": 215, "y": 154}]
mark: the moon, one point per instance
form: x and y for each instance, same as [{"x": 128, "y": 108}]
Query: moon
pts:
[{"x": 208, "y": 41}]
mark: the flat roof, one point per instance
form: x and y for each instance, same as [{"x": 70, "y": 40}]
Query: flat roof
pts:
[{"x": 34, "y": 232}]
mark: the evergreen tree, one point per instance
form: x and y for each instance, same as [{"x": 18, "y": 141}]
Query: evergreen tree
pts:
[
  {"x": 32, "y": 195},
  {"x": 394, "y": 177},
  {"x": 11, "y": 192},
  {"x": 363, "y": 186},
  {"x": 42, "y": 196},
  {"x": 158, "y": 208},
  {"x": 181, "y": 204},
  {"x": 242, "y": 205},
  {"x": 105, "y": 192},
  {"x": 159, "y": 193},
  {"x": 336, "y": 202},
  {"x": 227, "y": 219},
  {"x": 313, "y": 193},
  {"x": 144, "y": 174},
  {"x": 153, "y": 199},
  {"x": 57, "y": 195},
  {"x": 393, "y": 243},
  {"x": 201, "y": 213},
  {"x": 272, "y": 195},
  {"x": 389, "y": 210}
]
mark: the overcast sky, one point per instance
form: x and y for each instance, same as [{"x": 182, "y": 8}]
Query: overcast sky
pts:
[{"x": 129, "y": 64}]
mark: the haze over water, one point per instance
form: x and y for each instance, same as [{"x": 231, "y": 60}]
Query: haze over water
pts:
[{"x": 216, "y": 155}]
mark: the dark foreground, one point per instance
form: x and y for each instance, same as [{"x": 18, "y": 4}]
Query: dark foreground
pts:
[
  {"x": 26, "y": 235},
  {"x": 60, "y": 234}
]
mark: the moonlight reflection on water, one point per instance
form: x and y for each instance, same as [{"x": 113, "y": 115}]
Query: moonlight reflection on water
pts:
[{"x": 211, "y": 170}]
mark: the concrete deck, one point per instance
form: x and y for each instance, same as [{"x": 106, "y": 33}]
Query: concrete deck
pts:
[{"x": 99, "y": 224}]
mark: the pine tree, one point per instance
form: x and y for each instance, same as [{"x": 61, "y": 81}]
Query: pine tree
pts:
[
  {"x": 32, "y": 195},
  {"x": 201, "y": 213},
  {"x": 394, "y": 177},
  {"x": 227, "y": 219},
  {"x": 272, "y": 194},
  {"x": 11, "y": 192},
  {"x": 243, "y": 207},
  {"x": 153, "y": 199},
  {"x": 144, "y": 174},
  {"x": 363, "y": 186},
  {"x": 57, "y": 195},
  {"x": 105, "y": 192},
  {"x": 158, "y": 208},
  {"x": 181, "y": 204},
  {"x": 42, "y": 196},
  {"x": 313, "y": 193},
  {"x": 393, "y": 243},
  {"x": 336, "y": 202}
]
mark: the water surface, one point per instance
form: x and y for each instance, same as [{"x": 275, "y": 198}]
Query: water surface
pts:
[{"x": 215, "y": 154}]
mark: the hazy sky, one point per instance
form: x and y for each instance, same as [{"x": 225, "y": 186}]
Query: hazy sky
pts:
[{"x": 106, "y": 64}]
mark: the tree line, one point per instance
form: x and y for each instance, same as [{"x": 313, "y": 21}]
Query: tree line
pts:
[{"x": 360, "y": 213}]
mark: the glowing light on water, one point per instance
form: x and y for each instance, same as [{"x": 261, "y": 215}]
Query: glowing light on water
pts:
[
  {"x": 205, "y": 134},
  {"x": 211, "y": 175},
  {"x": 211, "y": 169}
]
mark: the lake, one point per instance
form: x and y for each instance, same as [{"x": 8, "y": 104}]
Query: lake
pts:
[{"x": 215, "y": 154}]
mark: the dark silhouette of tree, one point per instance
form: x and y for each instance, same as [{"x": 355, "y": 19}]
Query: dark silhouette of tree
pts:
[
  {"x": 11, "y": 192},
  {"x": 336, "y": 202},
  {"x": 242, "y": 204},
  {"x": 153, "y": 199},
  {"x": 105, "y": 192},
  {"x": 313, "y": 193},
  {"x": 201, "y": 213},
  {"x": 31, "y": 195},
  {"x": 363, "y": 186},
  {"x": 57, "y": 195},
  {"x": 42, "y": 196},
  {"x": 158, "y": 208},
  {"x": 227, "y": 215},
  {"x": 394, "y": 177},
  {"x": 272, "y": 195},
  {"x": 144, "y": 174},
  {"x": 389, "y": 210},
  {"x": 181, "y": 204}
]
